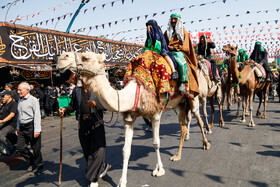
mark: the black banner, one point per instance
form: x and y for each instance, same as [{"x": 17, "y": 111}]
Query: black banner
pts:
[{"x": 20, "y": 44}]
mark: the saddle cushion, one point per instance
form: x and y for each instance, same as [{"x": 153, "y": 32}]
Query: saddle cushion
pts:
[
  {"x": 261, "y": 68},
  {"x": 153, "y": 72}
]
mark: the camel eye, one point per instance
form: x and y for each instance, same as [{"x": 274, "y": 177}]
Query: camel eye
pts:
[
  {"x": 67, "y": 56},
  {"x": 85, "y": 58}
]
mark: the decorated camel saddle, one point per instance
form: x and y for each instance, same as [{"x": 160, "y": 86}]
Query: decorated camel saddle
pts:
[
  {"x": 153, "y": 72},
  {"x": 205, "y": 67},
  {"x": 258, "y": 69}
]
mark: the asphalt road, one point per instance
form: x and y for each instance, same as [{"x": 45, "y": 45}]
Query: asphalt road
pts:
[{"x": 239, "y": 155}]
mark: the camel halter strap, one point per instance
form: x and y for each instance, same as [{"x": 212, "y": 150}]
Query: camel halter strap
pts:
[{"x": 78, "y": 70}]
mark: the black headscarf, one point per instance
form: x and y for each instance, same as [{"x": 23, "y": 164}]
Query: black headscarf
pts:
[{"x": 259, "y": 53}]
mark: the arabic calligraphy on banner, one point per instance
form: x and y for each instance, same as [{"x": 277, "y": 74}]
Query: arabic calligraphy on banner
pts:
[
  {"x": 29, "y": 45},
  {"x": 36, "y": 75}
]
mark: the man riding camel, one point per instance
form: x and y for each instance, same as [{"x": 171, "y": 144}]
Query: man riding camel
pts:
[
  {"x": 242, "y": 56},
  {"x": 203, "y": 48},
  {"x": 180, "y": 45},
  {"x": 259, "y": 55}
]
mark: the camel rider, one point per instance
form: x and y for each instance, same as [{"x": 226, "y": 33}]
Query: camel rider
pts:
[
  {"x": 259, "y": 55},
  {"x": 156, "y": 42},
  {"x": 180, "y": 46},
  {"x": 242, "y": 56},
  {"x": 204, "y": 48}
]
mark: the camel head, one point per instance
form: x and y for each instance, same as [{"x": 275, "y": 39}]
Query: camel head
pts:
[
  {"x": 230, "y": 50},
  {"x": 93, "y": 60},
  {"x": 81, "y": 63},
  {"x": 69, "y": 60}
]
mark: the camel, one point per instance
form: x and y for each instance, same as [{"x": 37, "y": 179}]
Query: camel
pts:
[
  {"x": 207, "y": 90},
  {"x": 248, "y": 85},
  {"x": 89, "y": 67}
]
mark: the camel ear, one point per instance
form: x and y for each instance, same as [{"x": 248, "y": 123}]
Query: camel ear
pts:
[{"x": 101, "y": 58}]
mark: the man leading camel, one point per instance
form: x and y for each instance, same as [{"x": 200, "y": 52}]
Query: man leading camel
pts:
[{"x": 180, "y": 45}]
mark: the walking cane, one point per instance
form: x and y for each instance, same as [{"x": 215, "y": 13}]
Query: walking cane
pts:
[{"x": 60, "y": 166}]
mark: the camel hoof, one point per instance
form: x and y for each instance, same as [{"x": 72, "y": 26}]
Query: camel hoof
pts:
[
  {"x": 251, "y": 124},
  {"x": 187, "y": 137},
  {"x": 264, "y": 117},
  {"x": 258, "y": 114},
  {"x": 247, "y": 114},
  {"x": 206, "y": 145},
  {"x": 222, "y": 123},
  {"x": 211, "y": 125},
  {"x": 121, "y": 184},
  {"x": 208, "y": 131},
  {"x": 242, "y": 121},
  {"x": 158, "y": 172},
  {"x": 175, "y": 158}
]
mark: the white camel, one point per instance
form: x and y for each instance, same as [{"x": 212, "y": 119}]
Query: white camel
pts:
[
  {"x": 90, "y": 67},
  {"x": 207, "y": 90}
]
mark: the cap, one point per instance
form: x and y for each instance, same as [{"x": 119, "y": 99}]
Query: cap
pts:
[{"x": 6, "y": 92}]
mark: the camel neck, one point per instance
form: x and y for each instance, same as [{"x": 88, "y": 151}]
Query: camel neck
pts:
[{"x": 233, "y": 68}]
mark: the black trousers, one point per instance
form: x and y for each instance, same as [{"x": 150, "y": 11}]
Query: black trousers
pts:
[
  {"x": 92, "y": 139},
  {"x": 26, "y": 136},
  {"x": 213, "y": 67}
]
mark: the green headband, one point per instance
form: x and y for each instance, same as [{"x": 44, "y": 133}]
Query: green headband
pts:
[
  {"x": 175, "y": 15},
  {"x": 258, "y": 43}
]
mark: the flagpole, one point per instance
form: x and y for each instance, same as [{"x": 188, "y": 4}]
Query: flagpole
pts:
[{"x": 83, "y": 3}]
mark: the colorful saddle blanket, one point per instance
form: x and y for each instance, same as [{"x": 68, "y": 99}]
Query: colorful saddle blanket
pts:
[
  {"x": 151, "y": 70},
  {"x": 261, "y": 68}
]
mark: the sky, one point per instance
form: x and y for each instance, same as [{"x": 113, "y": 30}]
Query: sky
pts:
[{"x": 214, "y": 16}]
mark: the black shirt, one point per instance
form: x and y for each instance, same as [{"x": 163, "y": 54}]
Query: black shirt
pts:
[
  {"x": 206, "y": 53},
  {"x": 7, "y": 108},
  {"x": 84, "y": 109}
]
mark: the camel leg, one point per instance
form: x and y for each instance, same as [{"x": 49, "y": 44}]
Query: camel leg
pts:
[
  {"x": 159, "y": 171},
  {"x": 265, "y": 103},
  {"x": 203, "y": 103},
  {"x": 126, "y": 149},
  {"x": 223, "y": 97},
  {"x": 222, "y": 123},
  {"x": 195, "y": 111},
  {"x": 238, "y": 107},
  {"x": 182, "y": 121},
  {"x": 246, "y": 104},
  {"x": 243, "y": 119},
  {"x": 252, "y": 123},
  {"x": 189, "y": 119},
  {"x": 211, "y": 103},
  {"x": 259, "y": 94},
  {"x": 229, "y": 90}
]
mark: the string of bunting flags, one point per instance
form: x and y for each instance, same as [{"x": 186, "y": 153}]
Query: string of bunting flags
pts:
[{"x": 138, "y": 17}]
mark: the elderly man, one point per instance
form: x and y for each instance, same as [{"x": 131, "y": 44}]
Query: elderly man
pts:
[
  {"x": 29, "y": 128},
  {"x": 8, "y": 121},
  {"x": 180, "y": 45}
]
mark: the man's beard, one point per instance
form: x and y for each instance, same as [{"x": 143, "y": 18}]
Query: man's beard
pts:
[{"x": 4, "y": 101}]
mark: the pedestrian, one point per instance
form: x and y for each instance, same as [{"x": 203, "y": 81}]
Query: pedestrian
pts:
[
  {"x": 8, "y": 121},
  {"x": 9, "y": 87},
  {"x": 89, "y": 113},
  {"x": 29, "y": 129}
]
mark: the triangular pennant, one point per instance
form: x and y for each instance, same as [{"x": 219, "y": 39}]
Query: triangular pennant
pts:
[
  {"x": 181, "y": 9},
  {"x": 41, "y": 23},
  {"x": 248, "y": 12},
  {"x": 233, "y": 26},
  {"x": 237, "y": 15},
  {"x": 267, "y": 22},
  {"x": 96, "y": 26},
  {"x": 109, "y": 24},
  {"x": 52, "y": 20},
  {"x": 122, "y": 1},
  {"x": 123, "y": 20},
  {"x": 138, "y": 18},
  {"x": 36, "y": 24},
  {"x": 116, "y": 22},
  {"x": 47, "y": 22},
  {"x": 259, "y": 23},
  {"x": 276, "y": 21},
  {"x": 241, "y": 25},
  {"x": 192, "y": 22},
  {"x": 85, "y": 11},
  {"x": 154, "y": 14},
  {"x": 163, "y": 12},
  {"x": 202, "y": 4},
  {"x": 227, "y": 15},
  {"x": 93, "y": 9},
  {"x": 146, "y": 16},
  {"x": 112, "y": 3},
  {"x": 103, "y": 6},
  {"x": 225, "y": 27},
  {"x": 266, "y": 11},
  {"x": 64, "y": 16},
  {"x": 58, "y": 18},
  {"x": 71, "y": 15},
  {"x": 130, "y": 19},
  {"x": 277, "y": 9},
  {"x": 90, "y": 28}
]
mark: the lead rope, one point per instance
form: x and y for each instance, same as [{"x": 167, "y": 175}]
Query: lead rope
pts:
[{"x": 102, "y": 121}]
